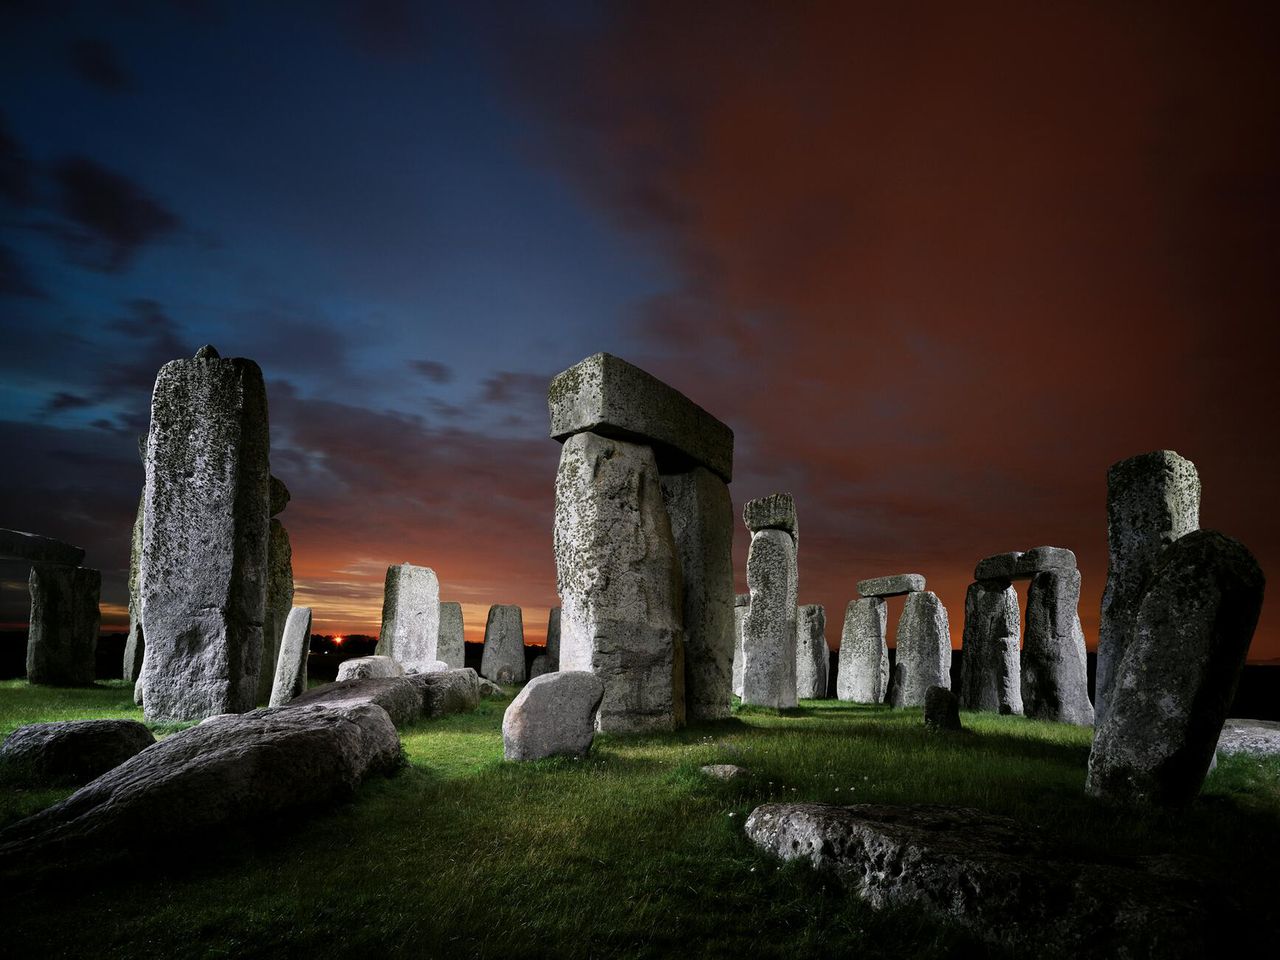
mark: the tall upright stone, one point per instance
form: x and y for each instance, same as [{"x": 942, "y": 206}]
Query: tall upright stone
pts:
[
  {"x": 741, "y": 602},
  {"x": 204, "y": 548},
  {"x": 279, "y": 604},
  {"x": 864, "y": 652},
  {"x": 452, "y": 644},
  {"x": 553, "y": 635},
  {"x": 769, "y": 630},
  {"x": 503, "y": 659},
  {"x": 990, "y": 670},
  {"x": 290, "y": 674},
  {"x": 1179, "y": 673},
  {"x": 812, "y": 654},
  {"x": 135, "y": 642},
  {"x": 410, "y": 617},
  {"x": 1152, "y": 500},
  {"x": 701, "y": 514},
  {"x": 618, "y": 575},
  {"x": 62, "y": 637},
  {"x": 1055, "y": 683},
  {"x": 923, "y": 647}
]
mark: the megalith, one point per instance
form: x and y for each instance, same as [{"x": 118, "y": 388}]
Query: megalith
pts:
[
  {"x": 864, "y": 652},
  {"x": 923, "y": 648},
  {"x": 741, "y": 602},
  {"x": 291, "y": 665},
  {"x": 135, "y": 642},
  {"x": 204, "y": 541},
  {"x": 812, "y": 656},
  {"x": 1055, "y": 684},
  {"x": 549, "y": 660},
  {"x": 503, "y": 659},
  {"x": 452, "y": 644},
  {"x": 769, "y": 629},
  {"x": 410, "y": 617},
  {"x": 62, "y": 638},
  {"x": 990, "y": 665},
  {"x": 279, "y": 603}
]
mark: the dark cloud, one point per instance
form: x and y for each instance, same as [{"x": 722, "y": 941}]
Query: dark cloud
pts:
[
  {"x": 15, "y": 169},
  {"x": 433, "y": 370},
  {"x": 95, "y": 62},
  {"x": 111, "y": 217},
  {"x": 508, "y": 388},
  {"x": 15, "y": 281}
]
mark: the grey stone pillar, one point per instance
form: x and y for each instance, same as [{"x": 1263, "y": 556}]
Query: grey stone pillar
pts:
[
  {"x": 503, "y": 658},
  {"x": 990, "y": 671},
  {"x": 864, "y": 652},
  {"x": 62, "y": 638},
  {"x": 410, "y": 628},
  {"x": 290, "y": 674},
  {"x": 769, "y": 629},
  {"x": 923, "y": 647},
  {"x": 452, "y": 644},
  {"x": 1055, "y": 682},
  {"x": 812, "y": 653}
]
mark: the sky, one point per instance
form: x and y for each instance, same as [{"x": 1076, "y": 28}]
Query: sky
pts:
[{"x": 937, "y": 266}]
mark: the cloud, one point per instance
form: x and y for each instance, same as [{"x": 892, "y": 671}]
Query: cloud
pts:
[
  {"x": 95, "y": 62},
  {"x": 15, "y": 281},
  {"x": 15, "y": 169},
  {"x": 433, "y": 370},
  {"x": 111, "y": 218}
]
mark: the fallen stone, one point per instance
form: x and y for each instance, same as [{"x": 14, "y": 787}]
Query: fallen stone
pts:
[
  {"x": 489, "y": 689},
  {"x": 291, "y": 665},
  {"x": 62, "y": 637},
  {"x": 990, "y": 667},
  {"x": 452, "y": 644},
  {"x": 448, "y": 691},
  {"x": 1043, "y": 560},
  {"x": 812, "y": 654},
  {"x": 999, "y": 879},
  {"x": 724, "y": 771},
  {"x": 1179, "y": 673},
  {"x": 362, "y": 668},
  {"x": 769, "y": 630},
  {"x": 410, "y": 616},
  {"x": 71, "y": 752},
  {"x": 740, "y": 604},
  {"x": 278, "y": 495},
  {"x": 278, "y": 604},
  {"x": 553, "y": 715},
  {"x": 894, "y": 586},
  {"x": 611, "y": 398},
  {"x": 1257, "y": 737},
  {"x": 941, "y": 709},
  {"x": 400, "y": 697},
  {"x": 1055, "y": 682},
  {"x": 16, "y": 545},
  {"x": 503, "y": 659},
  {"x": 774, "y": 512},
  {"x": 864, "y": 653},
  {"x": 1000, "y": 566},
  {"x": 1152, "y": 500},
  {"x": 238, "y": 771},
  {"x": 923, "y": 648},
  {"x": 135, "y": 643}
]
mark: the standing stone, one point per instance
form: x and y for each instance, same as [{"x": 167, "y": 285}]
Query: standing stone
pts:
[
  {"x": 503, "y": 659},
  {"x": 291, "y": 665},
  {"x": 812, "y": 657},
  {"x": 923, "y": 645},
  {"x": 777, "y": 511},
  {"x": 410, "y": 617},
  {"x": 278, "y": 606},
  {"x": 864, "y": 652},
  {"x": 941, "y": 709},
  {"x": 769, "y": 630},
  {"x": 135, "y": 644},
  {"x": 741, "y": 602},
  {"x": 63, "y": 636},
  {"x": 549, "y": 660},
  {"x": 619, "y": 580},
  {"x": 204, "y": 541},
  {"x": 701, "y": 514},
  {"x": 452, "y": 645},
  {"x": 990, "y": 668},
  {"x": 1055, "y": 684},
  {"x": 1179, "y": 672},
  {"x": 1152, "y": 500}
]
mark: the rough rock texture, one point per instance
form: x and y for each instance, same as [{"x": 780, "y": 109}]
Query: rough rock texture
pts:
[
  {"x": 812, "y": 653},
  {"x": 894, "y": 586},
  {"x": 1152, "y": 500},
  {"x": 489, "y": 689},
  {"x": 541, "y": 666},
  {"x": 1043, "y": 559},
  {"x": 291, "y": 664},
  {"x": 701, "y": 514},
  {"x": 897, "y": 686},
  {"x": 941, "y": 709},
  {"x": 452, "y": 644},
  {"x": 238, "y": 770},
  {"x": 62, "y": 637},
  {"x": 1179, "y": 672},
  {"x": 278, "y": 496},
  {"x": 619, "y": 580},
  {"x": 503, "y": 659},
  {"x": 553, "y": 715},
  {"x": 553, "y": 636},
  {"x": 923, "y": 647},
  {"x": 135, "y": 643},
  {"x": 864, "y": 652},
  {"x": 1000, "y": 566},
  {"x": 72, "y": 752},
  {"x": 1258, "y": 737},
  {"x": 769, "y": 630},
  {"x": 204, "y": 540},
  {"x": 16, "y": 545},
  {"x": 724, "y": 771},
  {"x": 410, "y": 616},
  {"x": 609, "y": 397},
  {"x": 361, "y": 668},
  {"x": 774, "y": 512},
  {"x": 740, "y": 604},
  {"x": 990, "y": 670},
  {"x": 448, "y": 691},
  {"x": 279, "y": 603},
  {"x": 400, "y": 697},
  {"x": 998, "y": 878},
  {"x": 1055, "y": 682}
]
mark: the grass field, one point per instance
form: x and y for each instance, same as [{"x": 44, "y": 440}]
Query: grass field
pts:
[{"x": 630, "y": 853}]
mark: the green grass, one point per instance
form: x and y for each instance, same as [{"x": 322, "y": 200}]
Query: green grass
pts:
[{"x": 629, "y": 853}]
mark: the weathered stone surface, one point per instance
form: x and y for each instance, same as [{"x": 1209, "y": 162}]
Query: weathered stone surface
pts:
[
  {"x": 1152, "y": 500},
  {"x": 1179, "y": 672},
  {"x": 997, "y": 878},
  {"x": 864, "y": 652},
  {"x": 740, "y": 604},
  {"x": 611, "y": 398},
  {"x": 769, "y": 630},
  {"x": 553, "y": 636},
  {"x": 448, "y": 691},
  {"x": 135, "y": 643},
  {"x": 238, "y": 770},
  {"x": 541, "y": 666},
  {"x": 923, "y": 647},
  {"x": 990, "y": 669},
  {"x": 503, "y": 659},
  {"x": 1000, "y": 566},
  {"x": 204, "y": 546},
  {"x": 70, "y": 752},
  {"x": 894, "y": 586},
  {"x": 279, "y": 603},
  {"x": 701, "y": 514},
  {"x": 360, "y": 668},
  {"x": 489, "y": 689},
  {"x": 16, "y": 545},
  {"x": 291, "y": 664},
  {"x": 812, "y": 654},
  {"x": 452, "y": 644},
  {"x": 724, "y": 771},
  {"x": 278, "y": 496},
  {"x": 62, "y": 637},
  {"x": 1258, "y": 737},
  {"x": 1055, "y": 682},
  {"x": 137, "y": 692},
  {"x": 553, "y": 715},
  {"x": 1042, "y": 560},
  {"x": 777, "y": 511},
  {"x": 410, "y": 616},
  {"x": 897, "y": 685},
  {"x": 941, "y": 709},
  {"x": 619, "y": 580},
  {"x": 400, "y": 697}
]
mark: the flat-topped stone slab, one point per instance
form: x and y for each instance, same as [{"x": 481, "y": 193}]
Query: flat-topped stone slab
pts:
[
  {"x": 1045, "y": 560},
  {"x": 774, "y": 512},
  {"x": 894, "y": 586},
  {"x": 610, "y": 397},
  {"x": 1000, "y": 566},
  {"x": 16, "y": 545}
]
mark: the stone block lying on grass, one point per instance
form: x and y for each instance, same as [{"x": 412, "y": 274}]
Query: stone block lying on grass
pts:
[
  {"x": 72, "y": 752},
  {"x": 554, "y": 714},
  {"x": 399, "y": 696},
  {"x": 489, "y": 689},
  {"x": 360, "y": 668},
  {"x": 1258, "y": 737},
  {"x": 447, "y": 691}
]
